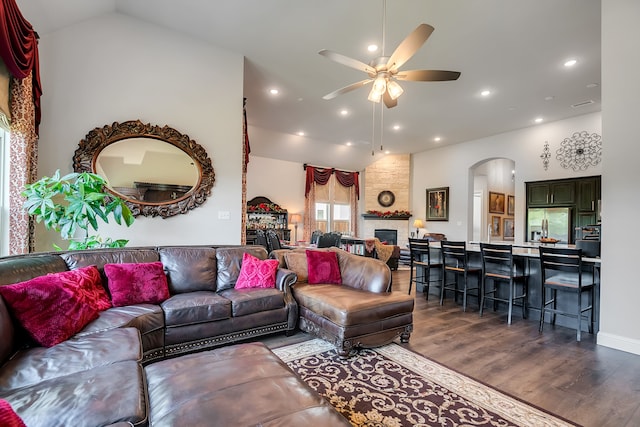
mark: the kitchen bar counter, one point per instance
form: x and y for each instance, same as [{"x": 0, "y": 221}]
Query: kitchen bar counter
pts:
[{"x": 528, "y": 254}]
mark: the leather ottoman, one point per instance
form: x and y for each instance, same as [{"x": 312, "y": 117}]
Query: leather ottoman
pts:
[{"x": 243, "y": 385}]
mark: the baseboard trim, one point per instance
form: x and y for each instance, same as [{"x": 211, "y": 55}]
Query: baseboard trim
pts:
[{"x": 619, "y": 342}]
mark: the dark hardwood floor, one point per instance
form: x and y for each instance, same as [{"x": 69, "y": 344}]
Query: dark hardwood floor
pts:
[{"x": 588, "y": 384}]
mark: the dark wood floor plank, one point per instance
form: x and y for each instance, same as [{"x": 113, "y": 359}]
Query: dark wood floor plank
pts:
[{"x": 586, "y": 383}]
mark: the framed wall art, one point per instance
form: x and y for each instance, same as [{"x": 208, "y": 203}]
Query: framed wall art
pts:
[
  {"x": 496, "y": 225},
  {"x": 496, "y": 202},
  {"x": 508, "y": 228},
  {"x": 438, "y": 204},
  {"x": 511, "y": 205}
]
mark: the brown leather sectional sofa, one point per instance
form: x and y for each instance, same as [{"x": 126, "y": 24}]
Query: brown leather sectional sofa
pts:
[
  {"x": 104, "y": 375},
  {"x": 130, "y": 366}
]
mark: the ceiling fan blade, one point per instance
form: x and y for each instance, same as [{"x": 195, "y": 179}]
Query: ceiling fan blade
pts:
[
  {"x": 346, "y": 89},
  {"x": 409, "y": 46},
  {"x": 386, "y": 98},
  {"x": 427, "y": 75},
  {"x": 349, "y": 62}
]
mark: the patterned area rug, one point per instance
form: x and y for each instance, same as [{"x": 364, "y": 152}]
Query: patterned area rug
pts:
[{"x": 393, "y": 386}]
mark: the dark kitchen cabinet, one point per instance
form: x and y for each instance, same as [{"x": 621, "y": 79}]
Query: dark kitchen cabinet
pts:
[
  {"x": 551, "y": 193},
  {"x": 582, "y": 195}
]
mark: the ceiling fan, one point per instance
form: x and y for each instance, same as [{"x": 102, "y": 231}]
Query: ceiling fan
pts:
[{"x": 384, "y": 71}]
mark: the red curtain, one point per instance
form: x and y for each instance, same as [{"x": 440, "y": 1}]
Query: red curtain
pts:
[
  {"x": 322, "y": 175},
  {"x": 247, "y": 147},
  {"x": 19, "y": 49}
]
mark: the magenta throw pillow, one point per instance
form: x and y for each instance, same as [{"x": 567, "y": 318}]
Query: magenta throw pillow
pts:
[
  {"x": 86, "y": 283},
  {"x": 47, "y": 309},
  {"x": 257, "y": 273},
  {"x": 323, "y": 267},
  {"x": 136, "y": 283},
  {"x": 8, "y": 417}
]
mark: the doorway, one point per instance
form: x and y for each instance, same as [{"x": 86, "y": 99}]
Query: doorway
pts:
[{"x": 496, "y": 178}]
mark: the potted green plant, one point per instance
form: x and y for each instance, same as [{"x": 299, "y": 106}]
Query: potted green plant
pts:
[{"x": 76, "y": 201}]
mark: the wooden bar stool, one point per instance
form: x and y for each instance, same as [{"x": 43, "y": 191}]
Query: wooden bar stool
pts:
[
  {"x": 456, "y": 260},
  {"x": 562, "y": 270},
  {"x": 499, "y": 267},
  {"x": 421, "y": 265}
]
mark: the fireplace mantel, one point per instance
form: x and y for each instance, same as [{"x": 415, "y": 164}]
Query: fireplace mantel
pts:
[{"x": 395, "y": 217}]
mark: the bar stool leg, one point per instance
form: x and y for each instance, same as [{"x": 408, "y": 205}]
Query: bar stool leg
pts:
[
  {"x": 511, "y": 285},
  {"x": 579, "y": 315},
  {"x": 542, "y": 307}
]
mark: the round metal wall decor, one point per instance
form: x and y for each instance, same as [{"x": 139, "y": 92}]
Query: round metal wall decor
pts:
[
  {"x": 580, "y": 151},
  {"x": 386, "y": 198}
]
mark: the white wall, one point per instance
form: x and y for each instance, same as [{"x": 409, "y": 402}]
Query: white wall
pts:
[
  {"x": 116, "y": 68},
  {"x": 280, "y": 181},
  {"x": 620, "y": 196},
  {"x": 450, "y": 167}
]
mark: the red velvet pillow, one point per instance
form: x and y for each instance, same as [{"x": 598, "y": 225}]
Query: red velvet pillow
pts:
[
  {"x": 8, "y": 417},
  {"x": 49, "y": 310},
  {"x": 257, "y": 273},
  {"x": 136, "y": 283},
  {"x": 86, "y": 283},
  {"x": 323, "y": 267}
]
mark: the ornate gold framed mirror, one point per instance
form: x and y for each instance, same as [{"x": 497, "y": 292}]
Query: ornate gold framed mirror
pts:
[{"x": 157, "y": 170}]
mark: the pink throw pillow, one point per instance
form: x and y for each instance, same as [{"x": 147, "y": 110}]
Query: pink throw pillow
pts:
[
  {"x": 47, "y": 309},
  {"x": 136, "y": 283},
  {"x": 8, "y": 417},
  {"x": 323, "y": 267},
  {"x": 257, "y": 273}
]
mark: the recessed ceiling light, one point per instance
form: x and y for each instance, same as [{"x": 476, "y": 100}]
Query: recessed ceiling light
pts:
[
  {"x": 349, "y": 143},
  {"x": 274, "y": 91},
  {"x": 437, "y": 139},
  {"x": 549, "y": 98},
  {"x": 387, "y": 152},
  {"x": 396, "y": 127},
  {"x": 538, "y": 120},
  {"x": 372, "y": 47},
  {"x": 592, "y": 85},
  {"x": 300, "y": 133},
  {"x": 344, "y": 112},
  {"x": 485, "y": 92},
  {"x": 570, "y": 63}
]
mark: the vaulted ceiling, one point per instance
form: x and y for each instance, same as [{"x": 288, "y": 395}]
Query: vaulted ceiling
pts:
[{"x": 514, "y": 49}]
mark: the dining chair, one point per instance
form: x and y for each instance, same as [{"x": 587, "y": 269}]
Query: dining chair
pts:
[
  {"x": 328, "y": 240},
  {"x": 273, "y": 240},
  {"x": 562, "y": 270},
  {"x": 261, "y": 239},
  {"x": 455, "y": 260},
  {"x": 421, "y": 265},
  {"x": 499, "y": 267}
]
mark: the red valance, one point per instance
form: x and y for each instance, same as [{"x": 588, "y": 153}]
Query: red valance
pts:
[
  {"x": 19, "y": 49},
  {"x": 322, "y": 175}
]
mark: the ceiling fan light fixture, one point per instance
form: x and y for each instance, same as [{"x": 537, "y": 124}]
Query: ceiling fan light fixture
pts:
[
  {"x": 380, "y": 85},
  {"x": 395, "y": 90},
  {"x": 374, "y": 96}
]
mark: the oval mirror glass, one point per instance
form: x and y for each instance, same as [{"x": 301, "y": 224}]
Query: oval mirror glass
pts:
[{"x": 147, "y": 170}]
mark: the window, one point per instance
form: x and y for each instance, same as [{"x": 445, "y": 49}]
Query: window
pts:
[{"x": 333, "y": 208}]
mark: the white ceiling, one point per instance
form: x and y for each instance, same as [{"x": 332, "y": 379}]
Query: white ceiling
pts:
[{"x": 515, "y": 48}]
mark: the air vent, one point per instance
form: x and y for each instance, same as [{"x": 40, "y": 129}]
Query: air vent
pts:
[{"x": 582, "y": 104}]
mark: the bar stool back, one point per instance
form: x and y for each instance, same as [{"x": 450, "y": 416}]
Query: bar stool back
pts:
[
  {"x": 499, "y": 267},
  {"x": 421, "y": 265},
  {"x": 456, "y": 260},
  {"x": 562, "y": 270}
]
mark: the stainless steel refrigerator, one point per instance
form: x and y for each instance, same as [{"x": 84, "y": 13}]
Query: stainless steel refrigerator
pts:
[{"x": 558, "y": 221}]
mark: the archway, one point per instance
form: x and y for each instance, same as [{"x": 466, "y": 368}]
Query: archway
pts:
[{"x": 492, "y": 187}]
